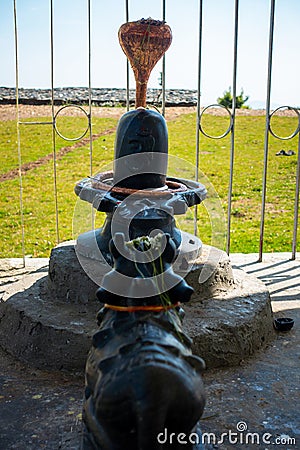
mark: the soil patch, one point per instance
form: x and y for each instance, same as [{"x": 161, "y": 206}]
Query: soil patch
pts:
[
  {"x": 8, "y": 112},
  {"x": 63, "y": 151}
]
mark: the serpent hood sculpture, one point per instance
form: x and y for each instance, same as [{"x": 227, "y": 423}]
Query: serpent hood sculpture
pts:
[{"x": 141, "y": 376}]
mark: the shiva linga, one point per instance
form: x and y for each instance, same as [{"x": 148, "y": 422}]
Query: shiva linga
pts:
[
  {"x": 137, "y": 196},
  {"x": 141, "y": 375}
]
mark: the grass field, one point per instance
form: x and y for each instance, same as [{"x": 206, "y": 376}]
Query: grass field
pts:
[{"x": 73, "y": 165}]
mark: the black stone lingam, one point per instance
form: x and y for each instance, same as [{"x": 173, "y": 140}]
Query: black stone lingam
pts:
[
  {"x": 141, "y": 150},
  {"x": 137, "y": 195}
]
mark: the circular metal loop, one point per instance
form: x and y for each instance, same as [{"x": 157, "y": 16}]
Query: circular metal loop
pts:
[
  {"x": 285, "y": 138},
  {"x": 77, "y": 138},
  {"x": 221, "y": 136}
]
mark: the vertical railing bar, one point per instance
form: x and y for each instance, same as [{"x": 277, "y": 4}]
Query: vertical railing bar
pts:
[
  {"x": 90, "y": 102},
  {"x": 266, "y": 142},
  {"x": 296, "y": 206},
  {"x": 232, "y": 135},
  {"x": 53, "y": 119},
  {"x": 127, "y": 61},
  {"x": 18, "y": 131},
  {"x": 90, "y": 87},
  {"x": 163, "y": 75},
  {"x": 198, "y": 109}
]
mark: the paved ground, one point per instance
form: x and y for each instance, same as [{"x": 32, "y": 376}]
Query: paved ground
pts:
[{"x": 42, "y": 410}]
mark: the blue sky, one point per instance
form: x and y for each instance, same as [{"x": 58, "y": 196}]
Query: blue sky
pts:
[{"x": 108, "y": 60}]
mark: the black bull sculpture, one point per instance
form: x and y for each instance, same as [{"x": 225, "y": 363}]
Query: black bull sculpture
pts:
[{"x": 142, "y": 379}]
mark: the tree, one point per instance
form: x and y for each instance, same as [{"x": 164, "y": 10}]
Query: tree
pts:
[{"x": 227, "y": 99}]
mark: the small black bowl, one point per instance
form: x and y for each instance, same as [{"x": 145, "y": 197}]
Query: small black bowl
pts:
[{"x": 283, "y": 324}]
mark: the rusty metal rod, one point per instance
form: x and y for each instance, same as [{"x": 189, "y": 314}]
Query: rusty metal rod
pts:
[
  {"x": 18, "y": 133},
  {"x": 198, "y": 110},
  {"x": 53, "y": 119},
  {"x": 232, "y": 136},
  {"x": 90, "y": 86},
  {"x": 296, "y": 205},
  {"x": 266, "y": 142}
]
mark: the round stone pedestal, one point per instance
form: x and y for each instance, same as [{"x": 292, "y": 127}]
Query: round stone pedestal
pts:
[{"x": 48, "y": 320}]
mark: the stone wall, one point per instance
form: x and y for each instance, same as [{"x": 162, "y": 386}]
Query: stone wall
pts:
[{"x": 100, "y": 96}]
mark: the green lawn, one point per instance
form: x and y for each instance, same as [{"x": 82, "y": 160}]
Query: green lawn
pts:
[{"x": 38, "y": 190}]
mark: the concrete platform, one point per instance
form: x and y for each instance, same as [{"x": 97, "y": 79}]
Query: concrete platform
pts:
[
  {"x": 40, "y": 409},
  {"x": 48, "y": 321}
]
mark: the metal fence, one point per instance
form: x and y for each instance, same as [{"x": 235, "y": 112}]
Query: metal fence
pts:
[{"x": 200, "y": 131}]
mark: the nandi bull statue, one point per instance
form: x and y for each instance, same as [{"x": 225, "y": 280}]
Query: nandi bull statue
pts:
[{"x": 142, "y": 381}]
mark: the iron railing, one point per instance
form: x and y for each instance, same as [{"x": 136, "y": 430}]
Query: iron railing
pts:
[
  {"x": 200, "y": 131},
  {"x": 231, "y": 129}
]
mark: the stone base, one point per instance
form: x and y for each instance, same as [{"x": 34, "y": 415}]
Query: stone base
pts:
[
  {"x": 210, "y": 274},
  {"x": 229, "y": 317},
  {"x": 44, "y": 333},
  {"x": 67, "y": 280},
  {"x": 231, "y": 326}
]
